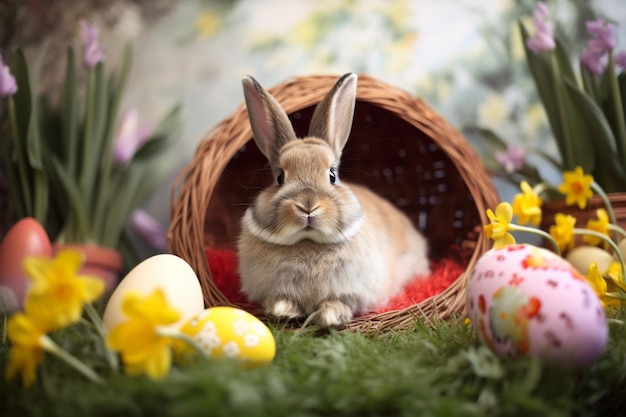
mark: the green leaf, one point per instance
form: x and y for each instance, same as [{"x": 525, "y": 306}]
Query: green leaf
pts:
[
  {"x": 581, "y": 129},
  {"x": 590, "y": 84},
  {"x": 541, "y": 71},
  {"x": 101, "y": 116},
  {"x": 116, "y": 88},
  {"x": 162, "y": 138},
  {"x": 621, "y": 82},
  {"x": 33, "y": 139},
  {"x": 23, "y": 97},
  {"x": 94, "y": 127},
  {"x": 121, "y": 206},
  {"x": 69, "y": 114},
  {"x": 116, "y": 92},
  {"x": 593, "y": 128},
  {"x": 563, "y": 60},
  {"x": 76, "y": 204}
]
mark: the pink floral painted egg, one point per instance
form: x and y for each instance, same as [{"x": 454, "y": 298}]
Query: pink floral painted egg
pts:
[{"x": 524, "y": 300}]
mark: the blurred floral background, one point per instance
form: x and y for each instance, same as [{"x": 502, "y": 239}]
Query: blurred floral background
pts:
[{"x": 464, "y": 57}]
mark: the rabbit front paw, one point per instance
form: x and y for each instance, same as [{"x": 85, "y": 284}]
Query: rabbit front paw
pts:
[
  {"x": 284, "y": 309},
  {"x": 333, "y": 313}
]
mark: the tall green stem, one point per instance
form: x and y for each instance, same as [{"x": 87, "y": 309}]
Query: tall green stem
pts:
[
  {"x": 176, "y": 334},
  {"x": 607, "y": 204},
  {"x": 54, "y": 349},
  {"x": 103, "y": 333},
  {"x": 545, "y": 235}
]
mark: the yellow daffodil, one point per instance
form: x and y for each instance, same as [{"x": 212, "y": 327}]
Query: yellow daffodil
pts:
[
  {"x": 614, "y": 274},
  {"x": 527, "y": 205},
  {"x": 142, "y": 348},
  {"x": 563, "y": 231},
  {"x": 207, "y": 24},
  {"x": 499, "y": 228},
  {"x": 600, "y": 286},
  {"x": 27, "y": 348},
  {"x": 597, "y": 281},
  {"x": 56, "y": 296},
  {"x": 577, "y": 187},
  {"x": 601, "y": 226}
]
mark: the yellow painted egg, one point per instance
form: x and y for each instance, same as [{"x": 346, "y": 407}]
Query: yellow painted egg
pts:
[
  {"x": 232, "y": 333},
  {"x": 173, "y": 275}
]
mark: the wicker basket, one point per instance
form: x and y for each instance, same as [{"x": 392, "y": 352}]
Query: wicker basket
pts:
[{"x": 398, "y": 146}]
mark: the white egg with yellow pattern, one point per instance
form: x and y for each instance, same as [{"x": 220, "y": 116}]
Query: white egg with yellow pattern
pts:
[{"x": 232, "y": 333}]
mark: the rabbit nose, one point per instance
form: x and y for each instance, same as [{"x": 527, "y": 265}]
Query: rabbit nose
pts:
[
  {"x": 309, "y": 216},
  {"x": 306, "y": 210}
]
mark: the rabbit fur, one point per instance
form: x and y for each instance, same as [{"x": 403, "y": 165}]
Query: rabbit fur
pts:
[{"x": 311, "y": 243}]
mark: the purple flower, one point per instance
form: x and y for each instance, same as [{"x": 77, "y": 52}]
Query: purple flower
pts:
[
  {"x": 543, "y": 40},
  {"x": 149, "y": 229},
  {"x": 130, "y": 137},
  {"x": 512, "y": 159},
  {"x": 593, "y": 57},
  {"x": 603, "y": 33},
  {"x": 620, "y": 60},
  {"x": 93, "y": 51},
  {"x": 8, "y": 86},
  {"x": 593, "y": 60}
]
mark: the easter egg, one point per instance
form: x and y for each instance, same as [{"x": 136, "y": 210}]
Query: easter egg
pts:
[
  {"x": 232, "y": 333},
  {"x": 25, "y": 238},
  {"x": 525, "y": 300},
  {"x": 622, "y": 250},
  {"x": 172, "y": 274},
  {"x": 582, "y": 256}
]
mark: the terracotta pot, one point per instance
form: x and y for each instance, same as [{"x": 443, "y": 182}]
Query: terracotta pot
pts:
[{"x": 100, "y": 261}]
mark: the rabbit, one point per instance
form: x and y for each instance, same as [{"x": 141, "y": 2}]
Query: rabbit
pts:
[{"x": 311, "y": 243}]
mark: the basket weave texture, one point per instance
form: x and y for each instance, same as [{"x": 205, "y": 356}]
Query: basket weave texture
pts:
[{"x": 398, "y": 147}]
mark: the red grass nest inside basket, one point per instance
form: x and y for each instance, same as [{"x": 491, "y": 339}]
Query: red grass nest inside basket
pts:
[
  {"x": 223, "y": 264},
  {"x": 398, "y": 146}
]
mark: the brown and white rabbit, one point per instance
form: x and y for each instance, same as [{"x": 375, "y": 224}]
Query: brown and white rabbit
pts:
[{"x": 310, "y": 242}]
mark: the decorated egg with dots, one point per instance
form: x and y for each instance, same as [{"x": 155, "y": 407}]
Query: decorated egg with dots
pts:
[
  {"x": 229, "y": 332},
  {"x": 525, "y": 300}
]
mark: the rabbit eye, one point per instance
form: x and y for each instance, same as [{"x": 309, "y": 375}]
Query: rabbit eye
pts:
[
  {"x": 280, "y": 179},
  {"x": 332, "y": 176}
]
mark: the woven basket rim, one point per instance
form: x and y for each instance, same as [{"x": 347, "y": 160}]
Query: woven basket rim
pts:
[{"x": 195, "y": 184}]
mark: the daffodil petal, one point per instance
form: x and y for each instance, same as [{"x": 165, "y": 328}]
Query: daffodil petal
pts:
[
  {"x": 159, "y": 363},
  {"x": 37, "y": 268},
  {"x": 93, "y": 287},
  {"x": 504, "y": 212},
  {"x": 70, "y": 259}
]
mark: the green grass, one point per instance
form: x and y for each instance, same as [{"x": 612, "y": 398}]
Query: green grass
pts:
[{"x": 424, "y": 371}]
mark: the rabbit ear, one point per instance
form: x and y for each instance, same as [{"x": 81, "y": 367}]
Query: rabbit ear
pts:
[
  {"x": 270, "y": 125},
  {"x": 332, "y": 119}
]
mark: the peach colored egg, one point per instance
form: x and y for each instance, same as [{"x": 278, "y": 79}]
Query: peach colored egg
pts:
[
  {"x": 525, "y": 300},
  {"x": 622, "y": 250},
  {"x": 172, "y": 274},
  {"x": 230, "y": 332},
  {"x": 25, "y": 238},
  {"x": 582, "y": 256}
]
